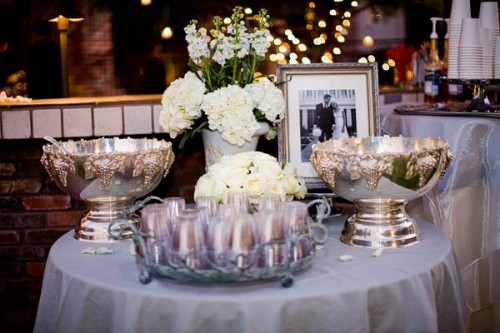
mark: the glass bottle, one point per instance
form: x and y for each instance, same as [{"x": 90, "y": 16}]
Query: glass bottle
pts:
[{"x": 433, "y": 72}]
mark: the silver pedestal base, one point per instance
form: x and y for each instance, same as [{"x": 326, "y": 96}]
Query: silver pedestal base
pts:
[
  {"x": 380, "y": 223},
  {"x": 94, "y": 226}
]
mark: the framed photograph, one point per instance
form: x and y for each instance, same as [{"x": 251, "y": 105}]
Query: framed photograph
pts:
[{"x": 325, "y": 101}]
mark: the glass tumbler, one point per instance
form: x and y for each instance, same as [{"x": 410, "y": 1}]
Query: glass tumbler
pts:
[
  {"x": 244, "y": 241},
  {"x": 218, "y": 242},
  {"x": 187, "y": 247},
  {"x": 153, "y": 222},
  {"x": 269, "y": 202},
  {"x": 174, "y": 206},
  {"x": 240, "y": 199},
  {"x": 298, "y": 231},
  {"x": 210, "y": 202},
  {"x": 272, "y": 236}
]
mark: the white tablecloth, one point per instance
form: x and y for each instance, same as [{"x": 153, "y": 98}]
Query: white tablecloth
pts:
[
  {"x": 412, "y": 289},
  {"x": 466, "y": 202}
]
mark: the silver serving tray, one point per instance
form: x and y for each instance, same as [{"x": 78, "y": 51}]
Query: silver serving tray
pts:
[{"x": 453, "y": 111}]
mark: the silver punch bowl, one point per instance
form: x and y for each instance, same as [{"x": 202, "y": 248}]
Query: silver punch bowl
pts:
[
  {"x": 380, "y": 175},
  {"x": 108, "y": 174}
]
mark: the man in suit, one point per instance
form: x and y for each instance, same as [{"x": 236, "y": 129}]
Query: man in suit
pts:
[{"x": 323, "y": 116}]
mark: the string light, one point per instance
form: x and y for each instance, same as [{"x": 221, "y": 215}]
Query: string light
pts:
[
  {"x": 167, "y": 33},
  {"x": 368, "y": 41},
  {"x": 289, "y": 48}
]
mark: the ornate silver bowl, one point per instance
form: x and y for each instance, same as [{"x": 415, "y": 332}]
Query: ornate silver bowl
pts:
[
  {"x": 108, "y": 174},
  {"x": 380, "y": 175}
]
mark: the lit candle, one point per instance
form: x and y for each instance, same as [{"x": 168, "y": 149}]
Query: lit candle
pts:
[
  {"x": 218, "y": 244},
  {"x": 183, "y": 239},
  {"x": 267, "y": 229},
  {"x": 236, "y": 246}
]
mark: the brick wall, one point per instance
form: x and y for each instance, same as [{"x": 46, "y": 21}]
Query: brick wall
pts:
[{"x": 34, "y": 213}]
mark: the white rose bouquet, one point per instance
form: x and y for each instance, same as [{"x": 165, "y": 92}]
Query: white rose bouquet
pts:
[
  {"x": 223, "y": 91},
  {"x": 255, "y": 172}
]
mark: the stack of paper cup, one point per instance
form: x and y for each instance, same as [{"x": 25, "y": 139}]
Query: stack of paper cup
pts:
[
  {"x": 497, "y": 58},
  {"x": 488, "y": 19},
  {"x": 470, "y": 51},
  {"x": 460, "y": 9}
]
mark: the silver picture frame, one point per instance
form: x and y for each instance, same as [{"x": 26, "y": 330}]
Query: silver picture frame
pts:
[{"x": 353, "y": 88}]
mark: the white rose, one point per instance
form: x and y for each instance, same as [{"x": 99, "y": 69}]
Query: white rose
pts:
[
  {"x": 233, "y": 177},
  {"x": 270, "y": 169},
  {"x": 290, "y": 169},
  {"x": 274, "y": 187},
  {"x": 240, "y": 160},
  {"x": 209, "y": 186},
  {"x": 255, "y": 185},
  {"x": 290, "y": 184},
  {"x": 301, "y": 194},
  {"x": 260, "y": 156}
]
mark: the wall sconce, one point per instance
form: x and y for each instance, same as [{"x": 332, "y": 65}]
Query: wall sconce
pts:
[{"x": 63, "y": 13}]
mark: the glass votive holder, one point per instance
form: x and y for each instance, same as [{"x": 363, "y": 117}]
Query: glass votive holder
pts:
[
  {"x": 300, "y": 238},
  {"x": 174, "y": 206},
  {"x": 187, "y": 246},
  {"x": 153, "y": 226},
  {"x": 296, "y": 215},
  {"x": 227, "y": 210},
  {"x": 218, "y": 242},
  {"x": 244, "y": 241},
  {"x": 210, "y": 202},
  {"x": 269, "y": 202},
  {"x": 274, "y": 246},
  {"x": 300, "y": 247},
  {"x": 239, "y": 197}
]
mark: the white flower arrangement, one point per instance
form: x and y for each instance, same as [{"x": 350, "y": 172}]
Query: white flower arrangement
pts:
[
  {"x": 223, "y": 90},
  {"x": 256, "y": 173}
]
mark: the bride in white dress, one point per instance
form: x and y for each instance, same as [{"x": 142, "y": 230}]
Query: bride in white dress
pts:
[{"x": 340, "y": 126}]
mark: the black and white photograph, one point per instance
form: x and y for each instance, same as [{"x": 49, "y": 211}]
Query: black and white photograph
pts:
[
  {"x": 325, "y": 102},
  {"x": 324, "y": 115}
]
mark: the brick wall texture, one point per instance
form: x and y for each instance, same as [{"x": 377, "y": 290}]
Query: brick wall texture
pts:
[{"x": 34, "y": 213}]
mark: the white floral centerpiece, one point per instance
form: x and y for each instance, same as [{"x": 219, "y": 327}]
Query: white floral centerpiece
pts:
[
  {"x": 255, "y": 172},
  {"x": 223, "y": 90}
]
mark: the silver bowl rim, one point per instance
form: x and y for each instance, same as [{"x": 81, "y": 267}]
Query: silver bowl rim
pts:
[
  {"x": 341, "y": 146},
  {"x": 50, "y": 148}
]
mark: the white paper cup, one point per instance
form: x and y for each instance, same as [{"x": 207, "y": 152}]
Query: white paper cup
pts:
[
  {"x": 497, "y": 50},
  {"x": 460, "y": 9},
  {"x": 488, "y": 14},
  {"x": 470, "y": 34}
]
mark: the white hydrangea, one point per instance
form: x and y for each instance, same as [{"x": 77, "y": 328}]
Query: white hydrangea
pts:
[
  {"x": 225, "y": 59},
  {"x": 268, "y": 99},
  {"x": 181, "y": 104},
  {"x": 255, "y": 172},
  {"x": 230, "y": 111}
]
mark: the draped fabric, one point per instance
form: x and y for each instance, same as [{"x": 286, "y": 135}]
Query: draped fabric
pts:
[
  {"x": 410, "y": 289},
  {"x": 466, "y": 201}
]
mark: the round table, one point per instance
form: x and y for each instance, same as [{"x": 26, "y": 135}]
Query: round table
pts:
[{"x": 410, "y": 289}]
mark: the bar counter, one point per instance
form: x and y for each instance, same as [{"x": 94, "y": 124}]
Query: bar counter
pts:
[{"x": 80, "y": 117}]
